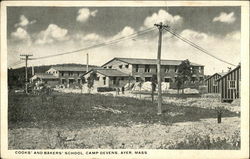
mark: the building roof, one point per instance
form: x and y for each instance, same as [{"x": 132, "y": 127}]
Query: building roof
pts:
[
  {"x": 109, "y": 72},
  {"x": 229, "y": 72},
  {"x": 220, "y": 74},
  {"x": 150, "y": 61},
  {"x": 72, "y": 68},
  {"x": 45, "y": 76}
]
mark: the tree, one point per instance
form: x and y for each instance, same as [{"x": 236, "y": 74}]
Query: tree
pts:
[
  {"x": 91, "y": 79},
  {"x": 153, "y": 84},
  {"x": 184, "y": 74}
]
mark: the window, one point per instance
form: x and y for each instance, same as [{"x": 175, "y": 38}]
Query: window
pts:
[
  {"x": 167, "y": 79},
  {"x": 147, "y": 79},
  {"x": 166, "y": 68},
  {"x": 137, "y": 79},
  {"x": 79, "y": 81},
  {"x": 114, "y": 81},
  {"x": 199, "y": 69},
  {"x": 215, "y": 83},
  {"x": 232, "y": 84},
  {"x": 63, "y": 81},
  {"x": 70, "y": 73},
  {"x": 136, "y": 68},
  {"x": 105, "y": 67},
  {"x": 71, "y": 81},
  {"x": 126, "y": 66},
  {"x": 193, "y": 79},
  {"x": 176, "y": 69},
  {"x": 120, "y": 66},
  {"x": 78, "y": 73},
  {"x": 147, "y": 68},
  {"x": 62, "y": 74},
  {"x": 104, "y": 80},
  {"x": 110, "y": 66}
]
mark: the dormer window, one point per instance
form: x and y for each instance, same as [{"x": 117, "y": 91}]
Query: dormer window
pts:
[{"x": 120, "y": 66}]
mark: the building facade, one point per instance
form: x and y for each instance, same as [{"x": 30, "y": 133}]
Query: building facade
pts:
[
  {"x": 108, "y": 78},
  {"x": 146, "y": 68},
  {"x": 212, "y": 83},
  {"x": 230, "y": 84},
  {"x": 68, "y": 75}
]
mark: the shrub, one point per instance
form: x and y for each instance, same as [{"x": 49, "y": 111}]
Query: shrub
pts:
[{"x": 105, "y": 89}]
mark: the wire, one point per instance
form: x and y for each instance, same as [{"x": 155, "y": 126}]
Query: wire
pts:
[
  {"x": 195, "y": 45},
  {"x": 16, "y": 63},
  {"x": 131, "y": 36}
]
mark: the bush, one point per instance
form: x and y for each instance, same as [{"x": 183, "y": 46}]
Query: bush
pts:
[{"x": 105, "y": 89}]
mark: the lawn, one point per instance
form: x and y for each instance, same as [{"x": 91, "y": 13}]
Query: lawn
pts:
[
  {"x": 60, "y": 112},
  {"x": 60, "y": 108}
]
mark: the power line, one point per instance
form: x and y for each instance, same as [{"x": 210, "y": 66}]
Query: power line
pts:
[
  {"x": 195, "y": 45},
  {"x": 131, "y": 36},
  {"x": 16, "y": 63}
]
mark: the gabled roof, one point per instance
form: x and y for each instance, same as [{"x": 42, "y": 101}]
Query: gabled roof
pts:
[
  {"x": 45, "y": 76},
  {"x": 220, "y": 74},
  {"x": 109, "y": 72},
  {"x": 72, "y": 68},
  {"x": 150, "y": 61},
  {"x": 229, "y": 72}
]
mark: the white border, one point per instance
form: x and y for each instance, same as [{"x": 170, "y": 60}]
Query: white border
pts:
[{"x": 243, "y": 153}]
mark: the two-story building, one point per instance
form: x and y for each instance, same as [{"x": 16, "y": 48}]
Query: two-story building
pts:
[
  {"x": 65, "y": 75},
  {"x": 146, "y": 68}
]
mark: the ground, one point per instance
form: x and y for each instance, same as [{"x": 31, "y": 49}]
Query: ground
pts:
[{"x": 106, "y": 121}]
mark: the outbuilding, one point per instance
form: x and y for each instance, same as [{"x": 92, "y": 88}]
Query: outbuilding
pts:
[
  {"x": 229, "y": 85},
  {"x": 212, "y": 83}
]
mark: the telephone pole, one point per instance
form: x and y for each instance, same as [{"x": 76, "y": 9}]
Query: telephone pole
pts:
[
  {"x": 26, "y": 69},
  {"x": 160, "y": 27}
]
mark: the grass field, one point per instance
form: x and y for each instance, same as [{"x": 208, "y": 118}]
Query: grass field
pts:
[{"x": 83, "y": 111}]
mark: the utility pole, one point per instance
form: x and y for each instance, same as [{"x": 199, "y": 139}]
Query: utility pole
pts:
[
  {"x": 87, "y": 69},
  {"x": 26, "y": 69},
  {"x": 160, "y": 27}
]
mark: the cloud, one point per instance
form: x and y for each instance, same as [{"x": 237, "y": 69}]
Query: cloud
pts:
[
  {"x": 51, "y": 34},
  {"x": 193, "y": 35},
  {"x": 23, "y": 22},
  {"x": 84, "y": 14},
  {"x": 92, "y": 37},
  {"x": 20, "y": 34},
  {"x": 234, "y": 35},
  {"x": 162, "y": 16},
  {"x": 127, "y": 30},
  {"x": 225, "y": 18}
]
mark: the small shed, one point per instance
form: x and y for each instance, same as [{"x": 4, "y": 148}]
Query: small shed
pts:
[
  {"x": 212, "y": 83},
  {"x": 229, "y": 85}
]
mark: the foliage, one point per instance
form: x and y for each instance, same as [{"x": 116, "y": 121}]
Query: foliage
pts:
[
  {"x": 91, "y": 79},
  {"x": 184, "y": 73}
]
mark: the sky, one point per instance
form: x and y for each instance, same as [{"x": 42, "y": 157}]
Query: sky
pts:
[{"x": 44, "y": 31}]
